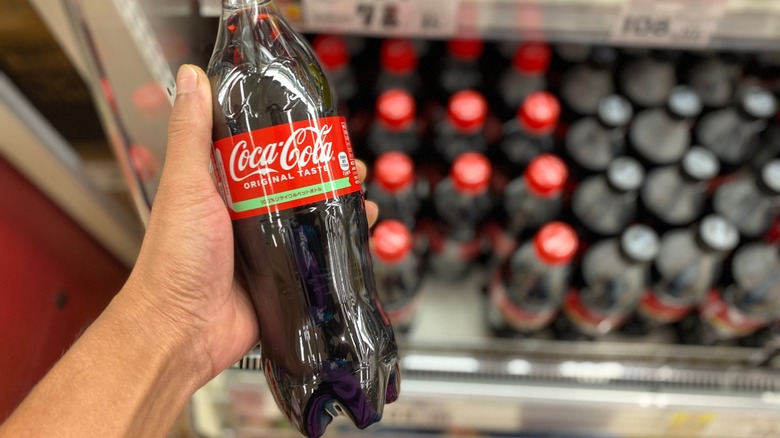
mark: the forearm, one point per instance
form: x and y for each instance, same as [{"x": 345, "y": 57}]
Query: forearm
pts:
[{"x": 130, "y": 374}]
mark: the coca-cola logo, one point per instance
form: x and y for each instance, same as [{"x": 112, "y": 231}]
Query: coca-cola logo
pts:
[{"x": 304, "y": 147}]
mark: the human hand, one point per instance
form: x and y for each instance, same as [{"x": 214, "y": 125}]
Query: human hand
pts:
[{"x": 185, "y": 270}]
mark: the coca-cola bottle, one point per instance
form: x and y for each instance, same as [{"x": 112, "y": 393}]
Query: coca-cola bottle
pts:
[
  {"x": 530, "y": 133},
  {"x": 398, "y": 66},
  {"x": 585, "y": 85},
  {"x": 462, "y": 201},
  {"x": 536, "y": 197},
  {"x": 395, "y": 126},
  {"x": 594, "y": 142},
  {"x": 688, "y": 265},
  {"x": 660, "y": 136},
  {"x": 714, "y": 80},
  {"x": 614, "y": 273},
  {"x": 732, "y": 133},
  {"x": 676, "y": 195},
  {"x": 463, "y": 128},
  {"x": 605, "y": 204},
  {"x": 750, "y": 201},
  {"x": 397, "y": 270},
  {"x": 461, "y": 67},
  {"x": 393, "y": 188},
  {"x": 526, "y": 75},
  {"x": 333, "y": 53},
  {"x": 527, "y": 290},
  {"x": 751, "y": 302},
  {"x": 284, "y": 165},
  {"x": 648, "y": 79}
]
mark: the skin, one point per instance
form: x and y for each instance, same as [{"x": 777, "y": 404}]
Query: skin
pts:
[{"x": 180, "y": 319}]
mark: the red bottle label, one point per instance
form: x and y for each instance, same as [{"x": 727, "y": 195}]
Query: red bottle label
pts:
[
  {"x": 728, "y": 320},
  {"x": 654, "y": 308},
  {"x": 285, "y": 166},
  {"x": 587, "y": 320}
]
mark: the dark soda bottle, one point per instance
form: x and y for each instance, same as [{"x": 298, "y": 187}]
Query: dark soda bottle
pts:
[
  {"x": 751, "y": 200},
  {"x": 398, "y": 66},
  {"x": 714, "y": 80},
  {"x": 463, "y": 128},
  {"x": 530, "y": 133},
  {"x": 536, "y": 197},
  {"x": 648, "y": 79},
  {"x": 585, "y": 85},
  {"x": 284, "y": 165},
  {"x": 397, "y": 270},
  {"x": 395, "y": 126},
  {"x": 461, "y": 69},
  {"x": 527, "y": 290},
  {"x": 393, "y": 188},
  {"x": 526, "y": 74},
  {"x": 333, "y": 53}
]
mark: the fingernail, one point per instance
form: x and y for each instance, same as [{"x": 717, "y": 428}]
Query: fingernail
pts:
[{"x": 186, "y": 80}]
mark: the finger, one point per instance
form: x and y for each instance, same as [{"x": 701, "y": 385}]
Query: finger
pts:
[
  {"x": 362, "y": 170},
  {"x": 189, "y": 128},
  {"x": 372, "y": 213}
]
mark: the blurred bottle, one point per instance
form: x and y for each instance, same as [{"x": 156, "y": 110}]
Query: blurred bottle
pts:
[
  {"x": 526, "y": 74},
  {"x": 573, "y": 53},
  {"x": 463, "y": 129},
  {"x": 585, "y": 85},
  {"x": 530, "y": 133},
  {"x": 648, "y": 79},
  {"x": 660, "y": 136},
  {"x": 615, "y": 273},
  {"x": 395, "y": 125},
  {"x": 527, "y": 290},
  {"x": 594, "y": 142},
  {"x": 605, "y": 204},
  {"x": 732, "y": 133},
  {"x": 398, "y": 61},
  {"x": 461, "y": 69},
  {"x": 333, "y": 54},
  {"x": 463, "y": 202},
  {"x": 752, "y": 301},
  {"x": 750, "y": 201},
  {"x": 393, "y": 188},
  {"x": 713, "y": 80},
  {"x": 676, "y": 195},
  {"x": 398, "y": 272},
  {"x": 688, "y": 265}
]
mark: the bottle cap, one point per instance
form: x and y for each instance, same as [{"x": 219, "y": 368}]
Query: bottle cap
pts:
[
  {"x": 759, "y": 103},
  {"x": 615, "y": 111},
  {"x": 532, "y": 58},
  {"x": 640, "y": 243},
  {"x": 625, "y": 174},
  {"x": 556, "y": 243},
  {"x": 396, "y": 109},
  {"x": 684, "y": 102},
  {"x": 770, "y": 176},
  {"x": 718, "y": 233},
  {"x": 700, "y": 164},
  {"x": 539, "y": 112},
  {"x": 546, "y": 175},
  {"x": 603, "y": 56},
  {"x": 470, "y": 173},
  {"x": 466, "y": 50},
  {"x": 394, "y": 171},
  {"x": 332, "y": 51},
  {"x": 399, "y": 56},
  {"x": 391, "y": 241},
  {"x": 467, "y": 110}
]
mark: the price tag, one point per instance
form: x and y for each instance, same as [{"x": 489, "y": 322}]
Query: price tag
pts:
[
  {"x": 677, "y": 23},
  {"x": 383, "y": 17}
]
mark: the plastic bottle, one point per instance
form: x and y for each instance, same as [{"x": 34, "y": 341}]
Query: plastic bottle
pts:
[
  {"x": 585, "y": 85},
  {"x": 333, "y": 53},
  {"x": 750, "y": 201},
  {"x": 395, "y": 125},
  {"x": 461, "y": 69},
  {"x": 526, "y": 75},
  {"x": 393, "y": 188},
  {"x": 463, "y": 128},
  {"x": 398, "y": 66},
  {"x": 530, "y": 133}
]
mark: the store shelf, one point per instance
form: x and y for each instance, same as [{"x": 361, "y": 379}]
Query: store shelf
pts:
[{"x": 732, "y": 24}]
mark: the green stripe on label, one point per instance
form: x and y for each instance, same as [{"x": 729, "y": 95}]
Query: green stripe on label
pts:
[{"x": 291, "y": 195}]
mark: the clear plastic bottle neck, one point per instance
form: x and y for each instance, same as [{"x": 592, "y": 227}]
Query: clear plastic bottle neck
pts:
[{"x": 240, "y": 4}]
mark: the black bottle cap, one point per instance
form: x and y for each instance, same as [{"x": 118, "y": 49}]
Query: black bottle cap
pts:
[
  {"x": 640, "y": 243},
  {"x": 717, "y": 233},
  {"x": 699, "y": 164},
  {"x": 625, "y": 174},
  {"x": 684, "y": 103},
  {"x": 758, "y": 103},
  {"x": 615, "y": 111}
]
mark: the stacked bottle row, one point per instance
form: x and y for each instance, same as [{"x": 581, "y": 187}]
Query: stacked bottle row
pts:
[{"x": 602, "y": 190}]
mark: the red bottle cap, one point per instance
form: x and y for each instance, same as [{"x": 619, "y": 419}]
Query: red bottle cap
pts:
[
  {"x": 332, "y": 51},
  {"x": 396, "y": 109},
  {"x": 394, "y": 171},
  {"x": 467, "y": 110},
  {"x": 556, "y": 243},
  {"x": 539, "y": 113},
  {"x": 470, "y": 173},
  {"x": 398, "y": 56},
  {"x": 532, "y": 58},
  {"x": 466, "y": 50},
  {"x": 391, "y": 241},
  {"x": 546, "y": 175}
]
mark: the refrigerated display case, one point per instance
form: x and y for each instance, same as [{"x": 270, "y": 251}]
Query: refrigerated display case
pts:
[{"x": 458, "y": 378}]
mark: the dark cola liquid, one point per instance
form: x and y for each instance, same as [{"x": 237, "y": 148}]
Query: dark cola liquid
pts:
[{"x": 327, "y": 348}]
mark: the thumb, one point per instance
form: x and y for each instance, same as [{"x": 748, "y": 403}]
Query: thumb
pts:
[{"x": 189, "y": 129}]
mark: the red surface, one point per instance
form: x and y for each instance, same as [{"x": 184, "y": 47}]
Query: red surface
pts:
[
  {"x": 546, "y": 175},
  {"x": 396, "y": 110},
  {"x": 471, "y": 173},
  {"x": 540, "y": 112},
  {"x": 392, "y": 241},
  {"x": 468, "y": 111},
  {"x": 394, "y": 171},
  {"x": 532, "y": 58},
  {"x": 46, "y": 258},
  {"x": 556, "y": 243},
  {"x": 399, "y": 56}
]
